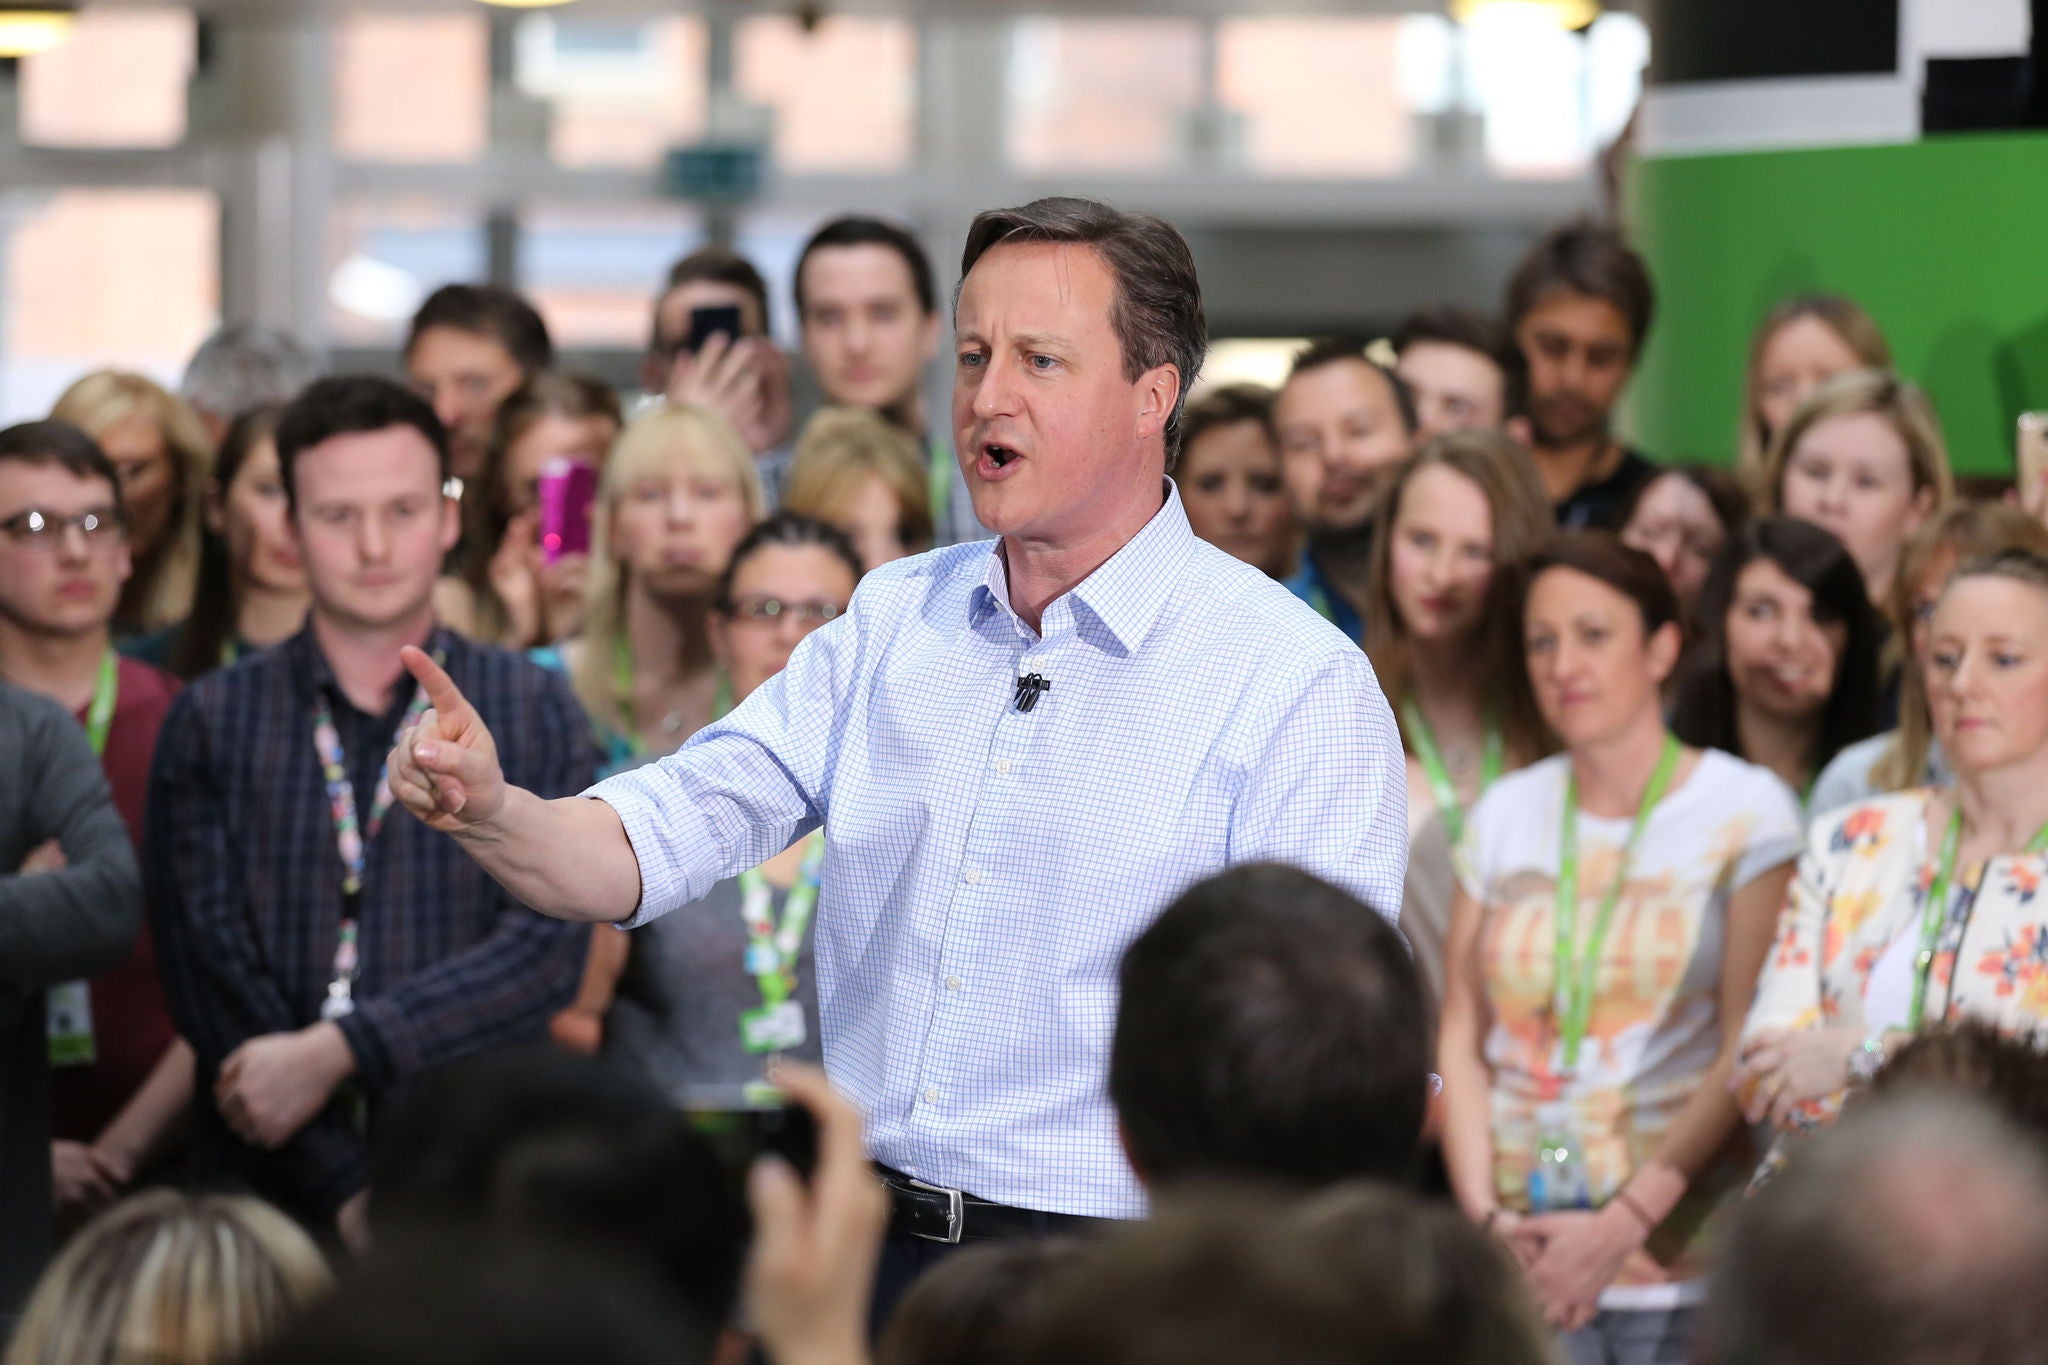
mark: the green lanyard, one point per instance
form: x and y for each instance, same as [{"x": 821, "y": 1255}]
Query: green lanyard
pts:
[
  {"x": 1574, "y": 993},
  {"x": 106, "y": 690},
  {"x": 622, "y": 682},
  {"x": 940, "y": 485},
  {"x": 1319, "y": 602},
  {"x": 773, "y": 946},
  {"x": 1934, "y": 913},
  {"x": 1492, "y": 757}
]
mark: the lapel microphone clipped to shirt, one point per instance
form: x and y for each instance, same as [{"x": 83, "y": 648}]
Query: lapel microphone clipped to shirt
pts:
[{"x": 1029, "y": 688}]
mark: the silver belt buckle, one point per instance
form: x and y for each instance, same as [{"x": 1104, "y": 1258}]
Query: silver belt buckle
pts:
[{"x": 955, "y": 1213}]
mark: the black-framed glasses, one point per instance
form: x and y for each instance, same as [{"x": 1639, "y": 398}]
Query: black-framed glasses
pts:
[
  {"x": 34, "y": 526},
  {"x": 771, "y": 609}
]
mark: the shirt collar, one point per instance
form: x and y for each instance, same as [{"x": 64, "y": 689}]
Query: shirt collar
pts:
[
  {"x": 1126, "y": 593},
  {"x": 313, "y": 676}
]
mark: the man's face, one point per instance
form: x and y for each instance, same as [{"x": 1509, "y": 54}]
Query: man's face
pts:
[
  {"x": 62, "y": 582},
  {"x": 373, "y": 525},
  {"x": 1456, "y": 389},
  {"x": 465, "y": 375},
  {"x": 863, "y": 331},
  {"x": 1046, "y": 428},
  {"x": 672, "y": 323},
  {"x": 1340, "y": 436},
  {"x": 1580, "y": 354}
]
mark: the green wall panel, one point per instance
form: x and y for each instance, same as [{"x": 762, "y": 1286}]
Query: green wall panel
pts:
[{"x": 1945, "y": 241}]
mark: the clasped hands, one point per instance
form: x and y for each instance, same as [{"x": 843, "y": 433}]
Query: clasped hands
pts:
[
  {"x": 1568, "y": 1257},
  {"x": 271, "y": 1086}
]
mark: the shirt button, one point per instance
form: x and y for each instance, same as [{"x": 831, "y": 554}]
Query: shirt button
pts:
[
  {"x": 971, "y": 875},
  {"x": 1003, "y": 766},
  {"x": 931, "y": 1096},
  {"x": 952, "y": 983}
]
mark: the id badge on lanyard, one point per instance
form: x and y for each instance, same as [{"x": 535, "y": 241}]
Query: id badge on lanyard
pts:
[{"x": 67, "y": 1006}]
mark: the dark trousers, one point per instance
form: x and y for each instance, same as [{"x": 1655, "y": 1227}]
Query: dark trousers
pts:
[{"x": 905, "y": 1258}]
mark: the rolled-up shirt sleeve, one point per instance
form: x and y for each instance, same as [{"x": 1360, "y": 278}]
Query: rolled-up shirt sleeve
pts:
[{"x": 745, "y": 787}]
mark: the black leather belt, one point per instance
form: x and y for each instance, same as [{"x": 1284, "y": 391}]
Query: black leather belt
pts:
[{"x": 938, "y": 1214}]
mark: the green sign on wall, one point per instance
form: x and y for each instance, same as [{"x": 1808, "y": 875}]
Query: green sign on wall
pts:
[{"x": 1945, "y": 241}]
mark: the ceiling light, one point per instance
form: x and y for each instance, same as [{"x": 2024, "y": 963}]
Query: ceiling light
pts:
[
  {"x": 26, "y": 29},
  {"x": 1571, "y": 15}
]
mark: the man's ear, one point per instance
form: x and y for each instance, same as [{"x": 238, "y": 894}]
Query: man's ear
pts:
[{"x": 1158, "y": 391}]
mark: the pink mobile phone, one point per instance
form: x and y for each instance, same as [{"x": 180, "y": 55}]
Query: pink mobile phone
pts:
[{"x": 568, "y": 488}]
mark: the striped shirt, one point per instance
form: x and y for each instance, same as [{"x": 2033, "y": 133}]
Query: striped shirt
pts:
[
  {"x": 987, "y": 866},
  {"x": 244, "y": 881}
]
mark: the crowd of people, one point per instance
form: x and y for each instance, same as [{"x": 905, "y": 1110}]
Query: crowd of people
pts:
[{"x": 1687, "y": 1014}]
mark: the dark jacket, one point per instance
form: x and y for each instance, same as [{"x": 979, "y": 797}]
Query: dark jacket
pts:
[{"x": 54, "y": 927}]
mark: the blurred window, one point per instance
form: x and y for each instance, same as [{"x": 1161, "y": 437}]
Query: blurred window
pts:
[
  {"x": 844, "y": 93},
  {"x": 1102, "y": 94},
  {"x": 119, "y": 80},
  {"x": 1316, "y": 96},
  {"x": 411, "y": 88},
  {"x": 593, "y": 269},
  {"x": 387, "y": 255},
  {"x": 95, "y": 278},
  {"x": 622, "y": 91}
]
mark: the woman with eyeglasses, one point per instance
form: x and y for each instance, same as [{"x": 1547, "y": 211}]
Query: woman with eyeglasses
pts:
[{"x": 695, "y": 980}]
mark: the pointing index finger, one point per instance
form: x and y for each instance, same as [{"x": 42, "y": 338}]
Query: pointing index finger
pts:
[{"x": 442, "y": 693}]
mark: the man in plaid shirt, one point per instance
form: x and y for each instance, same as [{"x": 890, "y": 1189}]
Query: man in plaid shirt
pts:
[{"x": 318, "y": 956}]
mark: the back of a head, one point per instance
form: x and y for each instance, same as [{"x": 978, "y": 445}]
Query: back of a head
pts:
[
  {"x": 1271, "y": 1026},
  {"x": 573, "y": 1150},
  {"x": 246, "y": 365},
  {"x": 166, "y": 1278},
  {"x": 1224, "y": 1277},
  {"x": 490, "y": 1301},
  {"x": 1913, "y": 1233},
  {"x": 1970, "y": 1057},
  {"x": 971, "y": 1309}
]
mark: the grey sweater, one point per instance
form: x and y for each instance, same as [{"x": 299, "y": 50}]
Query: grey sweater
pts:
[{"x": 54, "y": 927}]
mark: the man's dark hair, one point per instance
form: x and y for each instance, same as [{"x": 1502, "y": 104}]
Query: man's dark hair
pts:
[
  {"x": 343, "y": 404},
  {"x": 458, "y": 1297},
  {"x": 1971, "y": 1057},
  {"x": 1449, "y": 324},
  {"x": 853, "y": 230},
  {"x": 51, "y": 442},
  {"x": 1705, "y": 706},
  {"x": 1157, "y": 315},
  {"x": 1915, "y": 1232},
  {"x": 1226, "y": 405},
  {"x": 971, "y": 1308},
  {"x": 1221, "y": 1277},
  {"x": 1588, "y": 259},
  {"x": 1273, "y": 1026},
  {"x": 573, "y": 1151},
  {"x": 488, "y": 311},
  {"x": 1340, "y": 350},
  {"x": 708, "y": 265}
]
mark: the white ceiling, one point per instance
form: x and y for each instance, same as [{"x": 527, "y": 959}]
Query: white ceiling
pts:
[{"x": 987, "y": 9}]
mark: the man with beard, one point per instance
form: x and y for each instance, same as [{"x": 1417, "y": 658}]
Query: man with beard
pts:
[{"x": 1579, "y": 306}]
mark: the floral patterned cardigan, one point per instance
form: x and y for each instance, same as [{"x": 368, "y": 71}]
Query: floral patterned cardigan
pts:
[{"x": 1860, "y": 885}]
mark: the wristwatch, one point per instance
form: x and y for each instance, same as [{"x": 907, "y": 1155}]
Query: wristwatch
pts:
[{"x": 1867, "y": 1059}]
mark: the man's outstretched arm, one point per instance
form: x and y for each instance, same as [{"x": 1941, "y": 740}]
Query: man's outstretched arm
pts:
[{"x": 569, "y": 858}]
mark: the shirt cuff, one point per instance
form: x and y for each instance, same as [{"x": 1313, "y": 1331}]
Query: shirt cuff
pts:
[{"x": 672, "y": 841}]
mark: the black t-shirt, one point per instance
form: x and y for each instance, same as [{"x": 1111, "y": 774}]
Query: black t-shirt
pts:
[{"x": 1600, "y": 506}]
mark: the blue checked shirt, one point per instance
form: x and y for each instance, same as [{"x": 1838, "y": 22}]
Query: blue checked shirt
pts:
[
  {"x": 987, "y": 867},
  {"x": 245, "y": 900}
]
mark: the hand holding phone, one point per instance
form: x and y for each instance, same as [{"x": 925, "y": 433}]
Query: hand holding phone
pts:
[{"x": 706, "y": 323}]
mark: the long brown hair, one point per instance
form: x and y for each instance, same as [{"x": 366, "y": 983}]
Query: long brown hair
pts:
[
  {"x": 1970, "y": 531},
  {"x": 1522, "y": 525}
]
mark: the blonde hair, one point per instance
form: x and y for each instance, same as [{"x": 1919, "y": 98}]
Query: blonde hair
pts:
[
  {"x": 1522, "y": 524},
  {"x": 1972, "y": 532},
  {"x": 840, "y": 450},
  {"x": 160, "y": 593},
  {"x": 1901, "y": 404},
  {"x": 166, "y": 1278},
  {"x": 649, "y": 442},
  {"x": 1855, "y": 328}
]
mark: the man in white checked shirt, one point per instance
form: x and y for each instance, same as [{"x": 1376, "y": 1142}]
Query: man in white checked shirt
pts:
[{"x": 994, "y": 844}]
